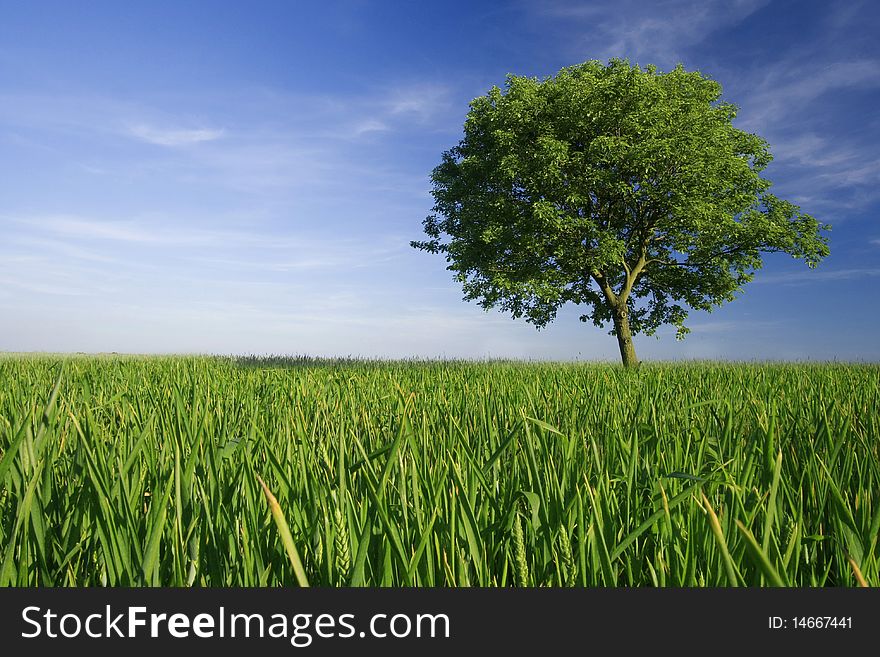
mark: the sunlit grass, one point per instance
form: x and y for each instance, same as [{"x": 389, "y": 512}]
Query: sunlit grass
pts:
[{"x": 126, "y": 471}]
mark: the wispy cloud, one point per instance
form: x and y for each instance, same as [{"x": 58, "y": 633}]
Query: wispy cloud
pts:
[
  {"x": 804, "y": 98},
  {"x": 367, "y": 125},
  {"x": 811, "y": 149},
  {"x": 386, "y": 107},
  {"x": 346, "y": 257},
  {"x": 732, "y": 326},
  {"x": 420, "y": 100},
  {"x": 295, "y": 144},
  {"x": 788, "y": 87},
  {"x": 830, "y": 174},
  {"x": 47, "y": 288},
  {"x": 827, "y": 168},
  {"x": 61, "y": 249},
  {"x": 90, "y": 229},
  {"x": 68, "y": 232},
  {"x": 173, "y": 136},
  {"x": 820, "y": 275},
  {"x": 655, "y": 32}
]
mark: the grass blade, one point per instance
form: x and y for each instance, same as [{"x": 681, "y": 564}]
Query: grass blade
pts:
[{"x": 284, "y": 532}]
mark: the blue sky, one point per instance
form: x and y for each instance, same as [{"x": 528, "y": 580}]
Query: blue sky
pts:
[{"x": 245, "y": 177}]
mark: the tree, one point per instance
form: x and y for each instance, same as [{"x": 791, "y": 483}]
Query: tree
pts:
[{"x": 621, "y": 189}]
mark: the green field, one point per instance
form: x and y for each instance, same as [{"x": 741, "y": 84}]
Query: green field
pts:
[{"x": 129, "y": 471}]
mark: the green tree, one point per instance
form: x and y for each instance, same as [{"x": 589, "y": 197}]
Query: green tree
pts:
[{"x": 624, "y": 190}]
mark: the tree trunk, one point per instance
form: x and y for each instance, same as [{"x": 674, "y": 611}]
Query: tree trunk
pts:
[{"x": 624, "y": 338}]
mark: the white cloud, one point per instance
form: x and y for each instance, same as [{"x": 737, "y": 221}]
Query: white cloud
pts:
[
  {"x": 810, "y": 149},
  {"x": 369, "y": 125},
  {"x": 90, "y": 229},
  {"x": 828, "y": 174},
  {"x": 333, "y": 256},
  {"x": 654, "y": 32},
  {"x": 420, "y": 101},
  {"x": 277, "y": 143},
  {"x": 51, "y": 289},
  {"x": 732, "y": 326},
  {"x": 825, "y": 168},
  {"x": 819, "y": 275},
  {"x": 173, "y": 136},
  {"x": 60, "y": 249},
  {"x": 79, "y": 237},
  {"x": 788, "y": 88}
]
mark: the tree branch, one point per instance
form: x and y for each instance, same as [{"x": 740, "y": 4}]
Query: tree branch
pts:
[
  {"x": 632, "y": 275},
  {"x": 645, "y": 230},
  {"x": 707, "y": 260},
  {"x": 608, "y": 293}
]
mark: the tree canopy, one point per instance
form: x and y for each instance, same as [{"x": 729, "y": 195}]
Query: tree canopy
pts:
[{"x": 624, "y": 190}]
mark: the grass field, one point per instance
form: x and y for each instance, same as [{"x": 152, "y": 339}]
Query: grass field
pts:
[{"x": 127, "y": 471}]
